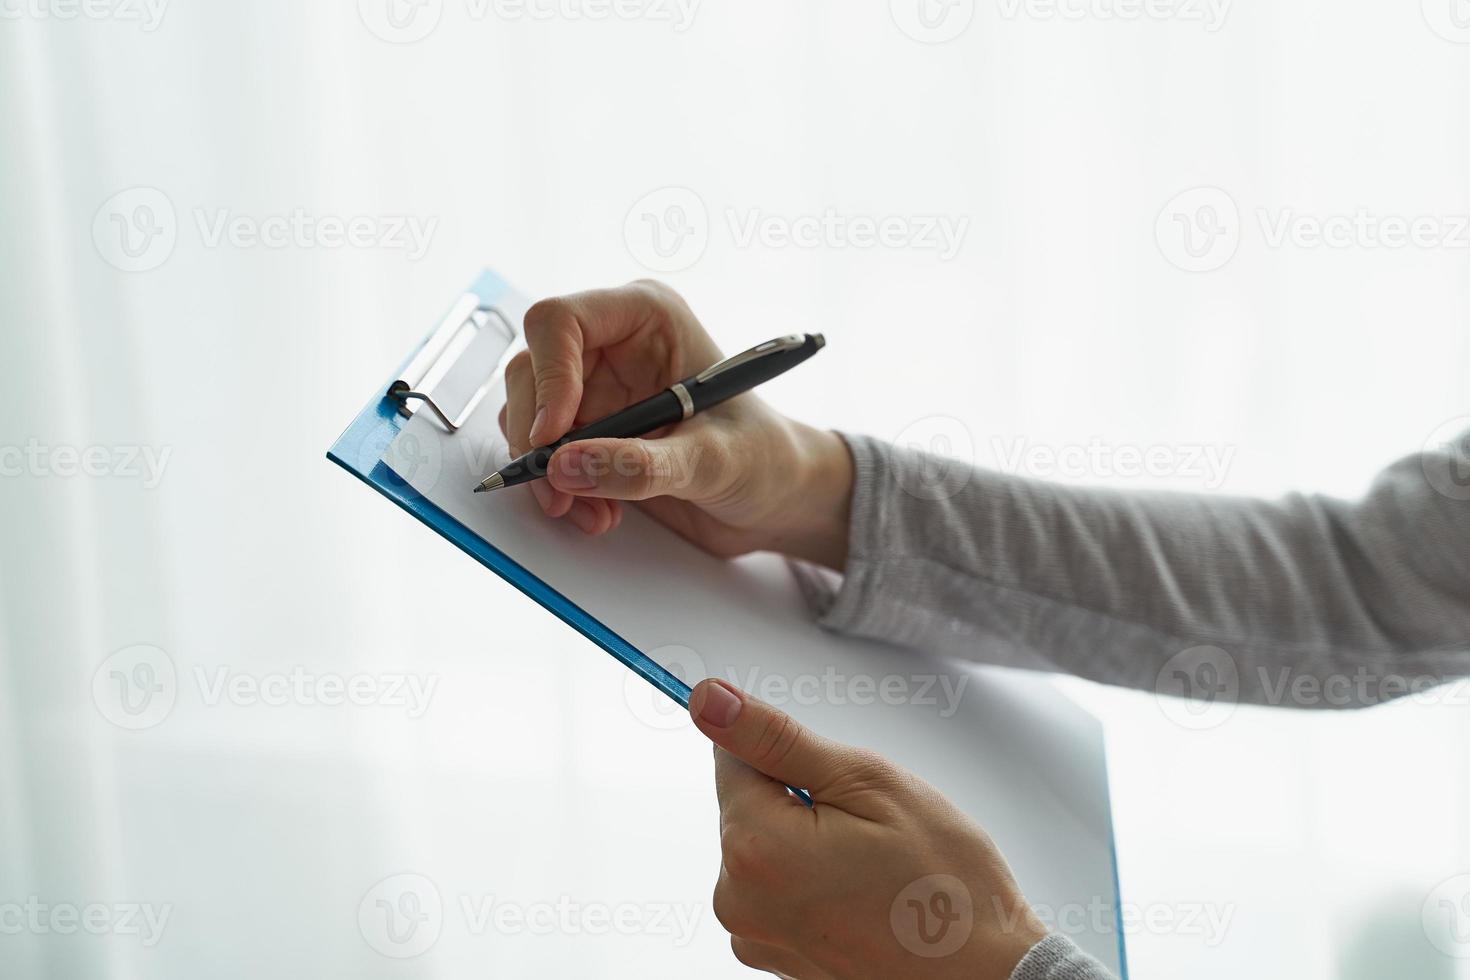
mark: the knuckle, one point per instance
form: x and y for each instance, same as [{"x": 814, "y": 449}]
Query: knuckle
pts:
[
  {"x": 637, "y": 467},
  {"x": 652, "y": 288},
  {"x": 519, "y": 364},
  {"x": 871, "y": 772},
  {"x": 779, "y": 736},
  {"x": 747, "y": 953},
  {"x": 649, "y": 470},
  {"x": 552, "y": 372},
  {"x": 659, "y": 293},
  {"x": 727, "y": 910},
  {"x": 716, "y": 458},
  {"x": 546, "y": 315},
  {"x": 742, "y": 853},
  {"x": 874, "y": 764}
]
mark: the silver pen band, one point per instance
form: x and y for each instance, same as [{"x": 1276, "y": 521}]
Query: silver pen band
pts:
[{"x": 682, "y": 393}]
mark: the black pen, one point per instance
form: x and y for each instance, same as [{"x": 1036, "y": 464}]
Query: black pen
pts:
[{"x": 715, "y": 384}]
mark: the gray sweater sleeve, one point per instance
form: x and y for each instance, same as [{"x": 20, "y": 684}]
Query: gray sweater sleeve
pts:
[
  {"x": 1057, "y": 958},
  {"x": 1304, "y": 601}
]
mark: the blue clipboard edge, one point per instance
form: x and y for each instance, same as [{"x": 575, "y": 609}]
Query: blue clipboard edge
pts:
[
  {"x": 359, "y": 450},
  {"x": 378, "y": 423}
]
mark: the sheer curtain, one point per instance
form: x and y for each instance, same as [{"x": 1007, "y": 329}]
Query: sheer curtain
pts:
[{"x": 1066, "y": 311}]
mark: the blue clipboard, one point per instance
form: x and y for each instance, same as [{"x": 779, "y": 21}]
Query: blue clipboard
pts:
[{"x": 359, "y": 450}]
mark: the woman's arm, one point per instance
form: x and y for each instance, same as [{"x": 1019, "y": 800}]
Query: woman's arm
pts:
[
  {"x": 1303, "y": 601},
  {"x": 1315, "y": 602}
]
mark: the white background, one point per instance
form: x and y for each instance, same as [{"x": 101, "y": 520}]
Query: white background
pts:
[{"x": 1064, "y": 317}]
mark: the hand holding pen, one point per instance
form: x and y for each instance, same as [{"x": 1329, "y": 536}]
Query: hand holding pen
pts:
[{"x": 733, "y": 477}]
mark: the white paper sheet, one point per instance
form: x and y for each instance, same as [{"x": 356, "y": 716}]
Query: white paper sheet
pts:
[{"x": 1007, "y": 747}]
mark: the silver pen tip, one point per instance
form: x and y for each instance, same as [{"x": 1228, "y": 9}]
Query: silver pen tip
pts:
[{"x": 492, "y": 482}]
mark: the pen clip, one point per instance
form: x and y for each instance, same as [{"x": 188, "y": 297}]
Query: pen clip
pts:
[{"x": 789, "y": 342}]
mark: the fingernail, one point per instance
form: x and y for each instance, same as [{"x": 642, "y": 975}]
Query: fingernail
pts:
[
  {"x": 570, "y": 472},
  {"x": 537, "y": 424},
  {"x": 720, "y": 705}
]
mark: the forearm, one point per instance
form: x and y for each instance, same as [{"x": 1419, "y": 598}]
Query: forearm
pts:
[
  {"x": 814, "y": 517},
  {"x": 1110, "y": 585}
]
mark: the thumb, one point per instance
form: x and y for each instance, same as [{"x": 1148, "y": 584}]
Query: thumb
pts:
[
  {"x": 768, "y": 740},
  {"x": 634, "y": 469}
]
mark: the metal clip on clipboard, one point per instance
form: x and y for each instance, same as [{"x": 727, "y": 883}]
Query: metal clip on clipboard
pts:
[{"x": 470, "y": 326}]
